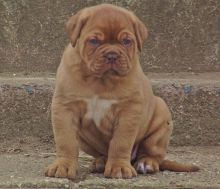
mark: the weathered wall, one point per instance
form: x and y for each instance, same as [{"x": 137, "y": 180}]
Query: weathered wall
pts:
[{"x": 184, "y": 35}]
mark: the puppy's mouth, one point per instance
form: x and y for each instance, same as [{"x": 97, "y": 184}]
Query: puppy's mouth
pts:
[
  {"x": 110, "y": 63},
  {"x": 120, "y": 70},
  {"x": 112, "y": 72}
]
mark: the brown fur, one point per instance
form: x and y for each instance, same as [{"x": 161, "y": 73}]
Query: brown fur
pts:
[{"x": 106, "y": 106}]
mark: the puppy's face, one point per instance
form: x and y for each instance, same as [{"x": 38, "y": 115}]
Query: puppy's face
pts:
[{"x": 108, "y": 39}]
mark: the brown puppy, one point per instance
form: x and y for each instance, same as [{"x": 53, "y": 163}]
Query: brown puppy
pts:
[{"x": 103, "y": 102}]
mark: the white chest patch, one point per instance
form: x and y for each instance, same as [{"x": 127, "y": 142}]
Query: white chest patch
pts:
[{"x": 97, "y": 108}]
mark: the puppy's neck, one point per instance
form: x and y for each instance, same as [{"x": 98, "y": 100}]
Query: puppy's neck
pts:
[{"x": 104, "y": 82}]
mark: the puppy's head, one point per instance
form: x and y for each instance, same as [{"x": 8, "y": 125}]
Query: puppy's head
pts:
[{"x": 108, "y": 38}]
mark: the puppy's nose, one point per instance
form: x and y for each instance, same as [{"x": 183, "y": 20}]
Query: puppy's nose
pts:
[{"x": 111, "y": 57}]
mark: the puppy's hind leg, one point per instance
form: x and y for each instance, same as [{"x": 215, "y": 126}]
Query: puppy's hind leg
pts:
[
  {"x": 153, "y": 148},
  {"x": 98, "y": 164}
]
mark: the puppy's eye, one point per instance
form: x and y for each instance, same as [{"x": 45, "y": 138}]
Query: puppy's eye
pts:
[
  {"x": 94, "y": 41},
  {"x": 126, "y": 42}
]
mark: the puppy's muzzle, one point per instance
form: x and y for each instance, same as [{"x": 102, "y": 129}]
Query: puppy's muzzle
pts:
[{"x": 111, "y": 57}]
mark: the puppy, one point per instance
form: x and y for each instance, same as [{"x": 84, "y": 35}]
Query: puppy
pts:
[{"x": 104, "y": 104}]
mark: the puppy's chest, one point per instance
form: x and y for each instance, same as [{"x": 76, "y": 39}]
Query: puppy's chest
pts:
[{"x": 97, "y": 109}]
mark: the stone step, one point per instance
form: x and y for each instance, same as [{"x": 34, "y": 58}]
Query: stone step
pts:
[
  {"x": 194, "y": 100},
  {"x": 26, "y": 171},
  {"x": 183, "y": 35}
]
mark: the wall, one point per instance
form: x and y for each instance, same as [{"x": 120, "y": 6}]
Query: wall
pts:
[{"x": 184, "y": 35}]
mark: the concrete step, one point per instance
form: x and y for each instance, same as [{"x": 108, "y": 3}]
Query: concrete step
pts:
[
  {"x": 25, "y": 170},
  {"x": 194, "y": 100},
  {"x": 183, "y": 35}
]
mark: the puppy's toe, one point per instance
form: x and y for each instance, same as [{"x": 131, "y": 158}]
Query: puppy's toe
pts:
[
  {"x": 51, "y": 170},
  {"x": 116, "y": 172},
  {"x": 61, "y": 172},
  {"x": 128, "y": 173},
  {"x": 61, "y": 168},
  {"x": 119, "y": 170},
  {"x": 146, "y": 165},
  {"x": 143, "y": 168}
]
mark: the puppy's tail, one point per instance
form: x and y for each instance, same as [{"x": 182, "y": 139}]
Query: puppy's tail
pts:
[{"x": 177, "y": 167}]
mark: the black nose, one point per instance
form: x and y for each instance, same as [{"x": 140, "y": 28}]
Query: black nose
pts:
[{"x": 111, "y": 57}]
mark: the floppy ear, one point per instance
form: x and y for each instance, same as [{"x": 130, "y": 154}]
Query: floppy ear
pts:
[
  {"x": 75, "y": 25},
  {"x": 140, "y": 33}
]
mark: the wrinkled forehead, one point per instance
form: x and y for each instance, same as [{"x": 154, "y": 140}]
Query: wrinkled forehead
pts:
[{"x": 110, "y": 22}]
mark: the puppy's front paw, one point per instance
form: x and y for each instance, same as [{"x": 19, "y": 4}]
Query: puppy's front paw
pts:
[
  {"x": 119, "y": 169},
  {"x": 62, "y": 168},
  {"x": 147, "y": 165}
]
